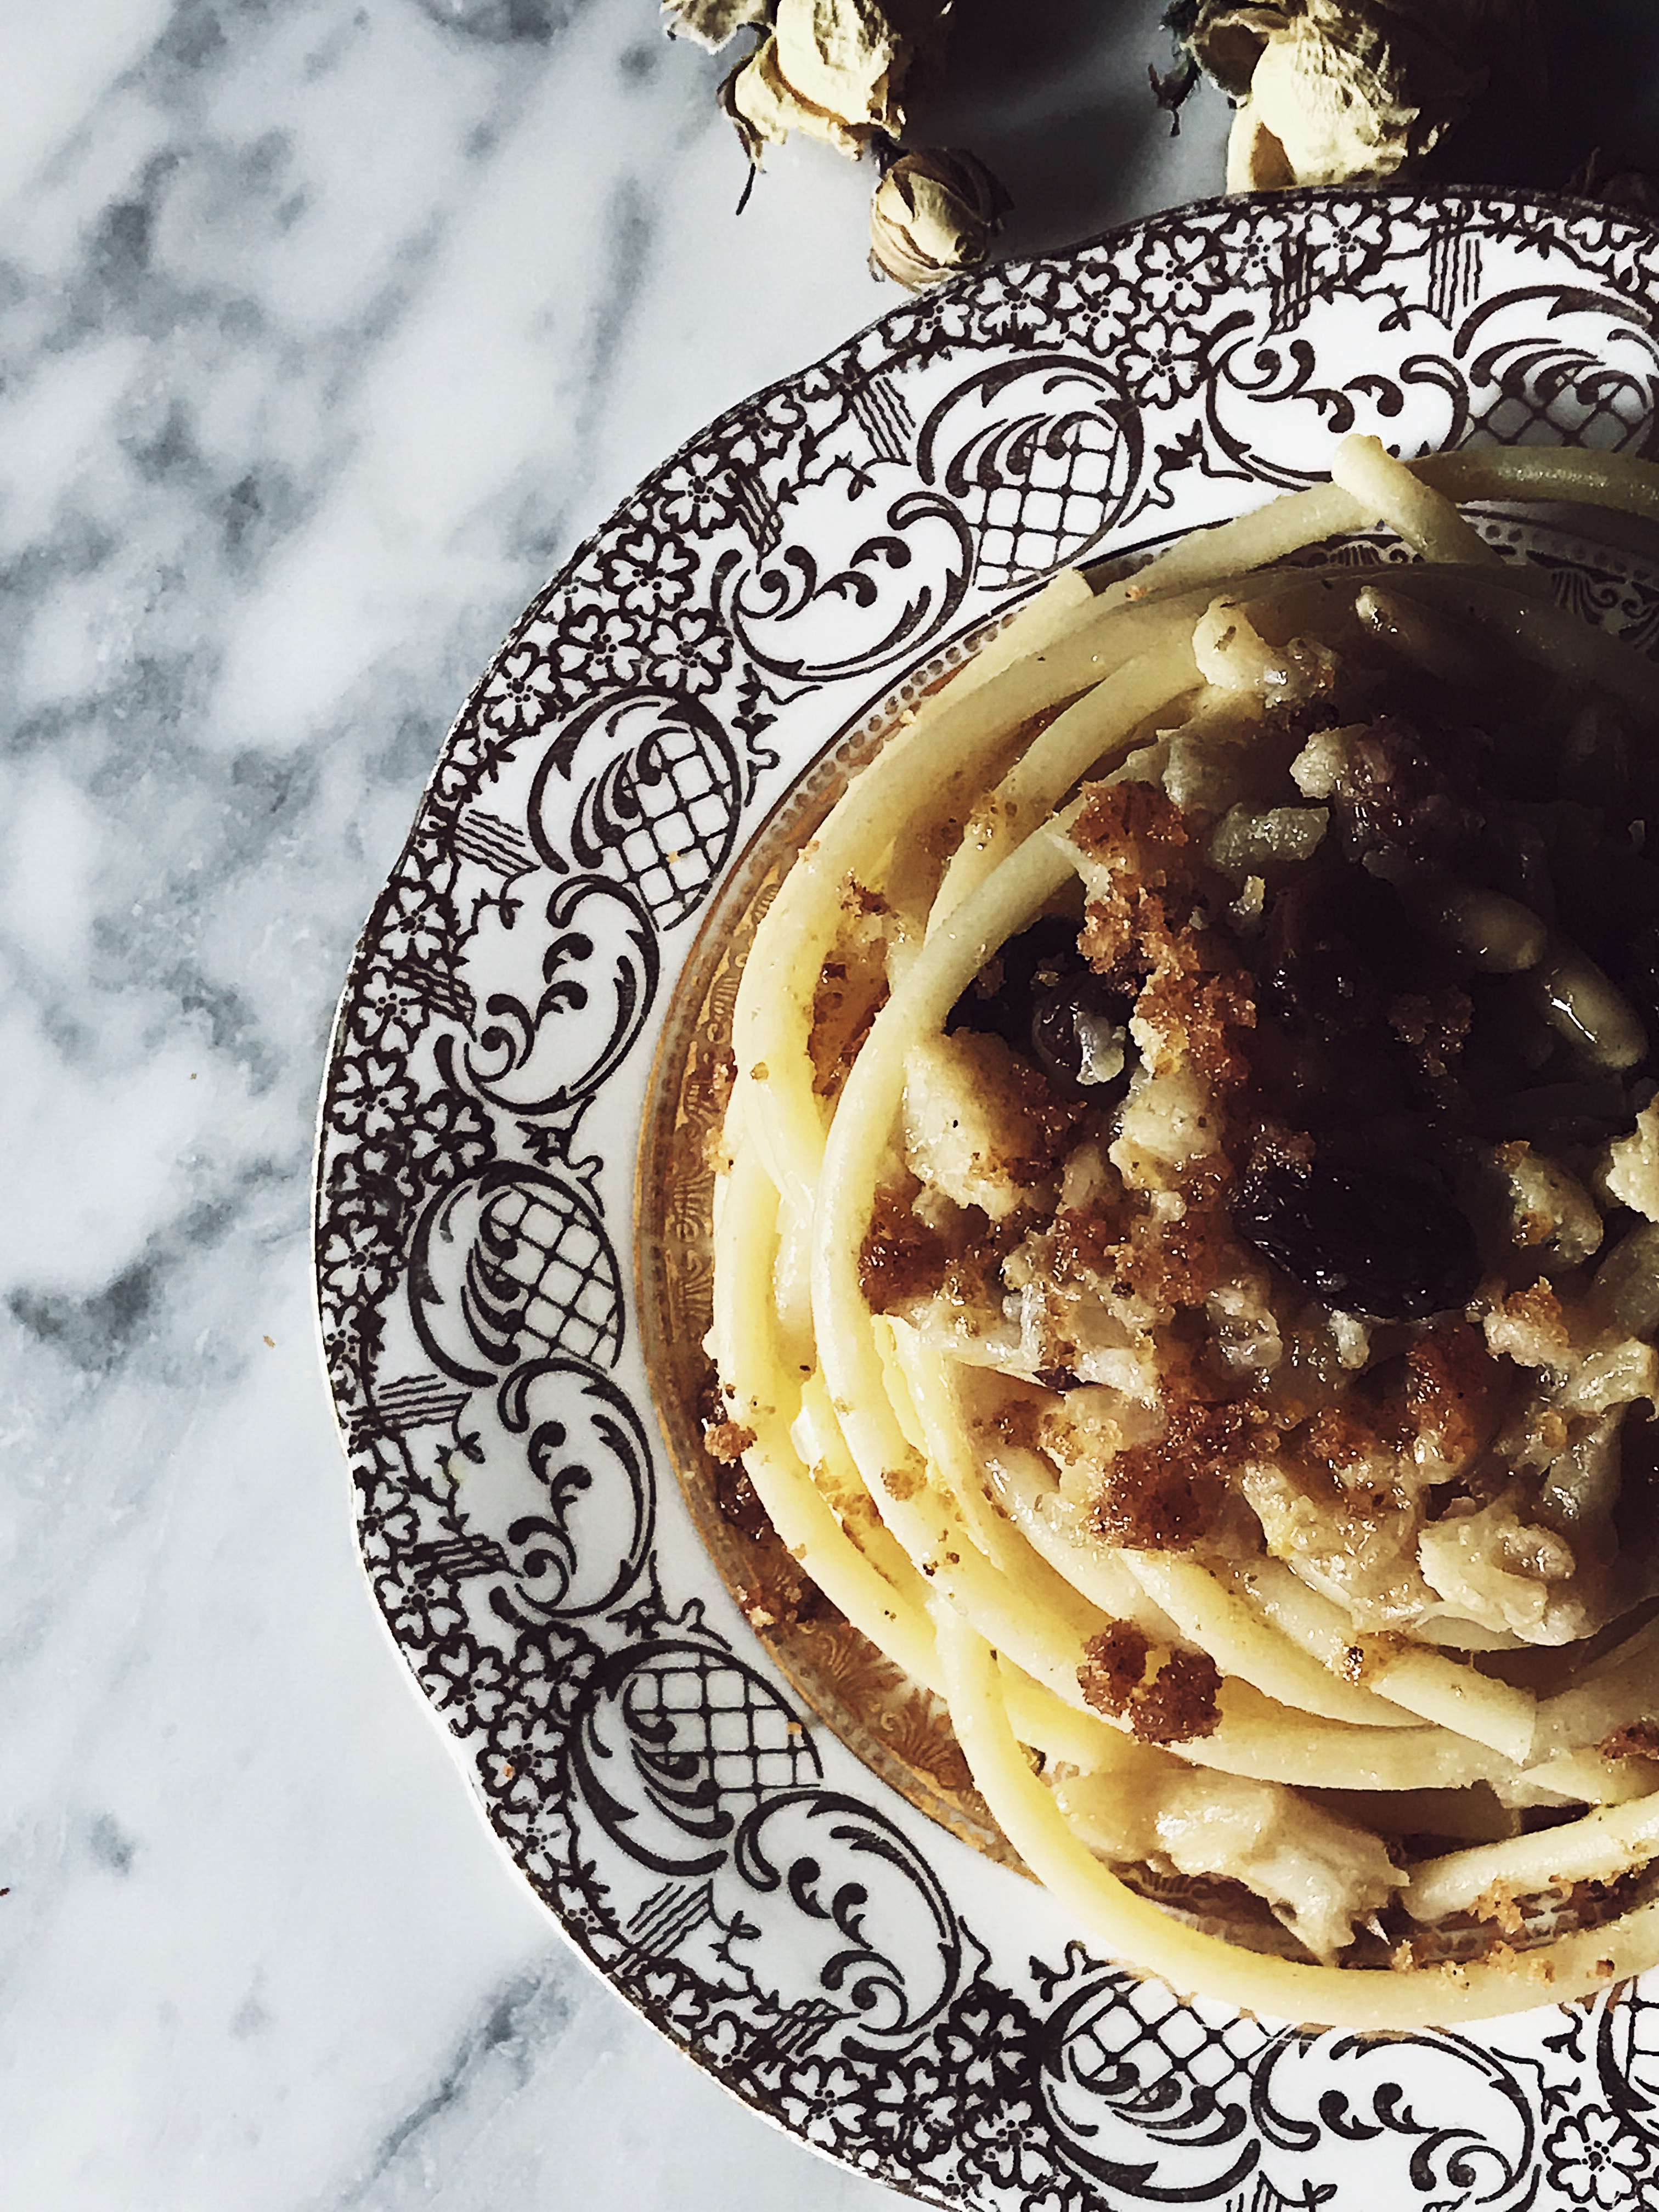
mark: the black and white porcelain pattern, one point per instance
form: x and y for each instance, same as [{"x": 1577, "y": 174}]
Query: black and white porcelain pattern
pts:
[{"x": 912, "y": 2009}]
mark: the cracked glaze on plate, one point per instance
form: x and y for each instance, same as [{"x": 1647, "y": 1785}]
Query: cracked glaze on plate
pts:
[{"x": 845, "y": 1965}]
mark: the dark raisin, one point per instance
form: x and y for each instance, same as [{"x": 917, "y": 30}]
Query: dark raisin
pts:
[
  {"x": 998, "y": 1003},
  {"x": 1041, "y": 996},
  {"x": 1635, "y": 1514},
  {"x": 1373, "y": 1240},
  {"x": 1635, "y": 966},
  {"x": 1061, "y": 1018},
  {"x": 1338, "y": 946},
  {"x": 1395, "y": 794}
]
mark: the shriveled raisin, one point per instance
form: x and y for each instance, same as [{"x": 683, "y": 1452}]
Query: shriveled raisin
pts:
[
  {"x": 1078, "y": 1034},
  {"x": 1375, "y": 1240},
  {"x": 1338, "y": 944},
  {"x": 998, "y": 1003},
  {"x": 1041, "y": 996},
  {"x": 1635, "y": 965},
  {"x": 1398, "y": 792}
]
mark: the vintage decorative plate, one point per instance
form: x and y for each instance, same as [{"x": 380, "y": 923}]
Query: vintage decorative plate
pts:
[{"x": 754, "y": 613}]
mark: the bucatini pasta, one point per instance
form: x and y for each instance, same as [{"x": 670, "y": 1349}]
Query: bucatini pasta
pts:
[{"x": 1187, "y": 1248}]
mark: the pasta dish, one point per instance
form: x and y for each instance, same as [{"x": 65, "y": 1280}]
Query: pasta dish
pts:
[{"x": 1186, "y": 1246}]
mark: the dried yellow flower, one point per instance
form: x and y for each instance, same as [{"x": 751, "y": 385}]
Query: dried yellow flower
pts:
[
  {"x": 1333, "y": 91},
  {"x": 830, "y": 67},
  {"x": 935, "y": 211},
  {"x": 841, "y": 56}
]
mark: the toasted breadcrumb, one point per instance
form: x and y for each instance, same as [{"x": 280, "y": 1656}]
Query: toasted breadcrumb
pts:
[
  {"x": 1169, "y": 1702},
  {"x": 727, "y": 1441}
]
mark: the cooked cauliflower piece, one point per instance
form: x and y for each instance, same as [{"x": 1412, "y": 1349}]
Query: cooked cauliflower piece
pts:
[
  {"x": 975, "y": 1125},
  {"x": 1169, "y": 1120},
  {"x": 1317, "y": 1873},
  {"x": 1357, "y": 1545},
  {"x": 1529, "y": 1327},
  {"x": 1631, "y": 1172},
  {"x": 1547, "y": 1213},
  {"x": 1249, "y": 840},
  {"x": 1502, "y": 1572}
]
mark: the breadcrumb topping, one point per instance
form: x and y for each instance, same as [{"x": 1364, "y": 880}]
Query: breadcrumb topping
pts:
[{"x": 1169, "y": 1698}]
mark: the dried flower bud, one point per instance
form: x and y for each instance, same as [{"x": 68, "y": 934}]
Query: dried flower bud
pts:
[
  {"x": 712, "y": 23},
  {"x": 934, "y": 212},
  {"x": 831, "y": 67},
  {"x": 1333, "y": 91}
]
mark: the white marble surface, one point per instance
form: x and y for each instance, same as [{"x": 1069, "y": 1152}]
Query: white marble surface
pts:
[{"x": 328, "y": 331}]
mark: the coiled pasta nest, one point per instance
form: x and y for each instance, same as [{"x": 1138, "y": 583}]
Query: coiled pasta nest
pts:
[{"x": 1187, "y": 1250}]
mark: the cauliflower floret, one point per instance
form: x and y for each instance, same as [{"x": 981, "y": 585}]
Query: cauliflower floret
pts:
[
  {"x": 1316, "y": 1873},
  {"x": 1632, "y": 1170},
  {"x": 1084, "y": 1431},
  {"x": 1086, "y": 1177},
  {"x": 1546, "y": 1212},
  {"x": 1530, "y": 1328},
  {"x": 1319, "y": 767},
  {"x": 1072, "y": 1318},
  {"x": 1169, "y": 1120},
  {"x": 1081, "y": 1332},
  {"x": 1246, "y": 1330},
  {"x": 1251, "y": 839},
  {"x": 979, "y": 1126},
  {"x": 1502, "y": 1571},
  {"x": 1358, "y": 1548},
  {"x": 1350, "y": 1333},
  {"x": 1616, "y": 1375}
]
